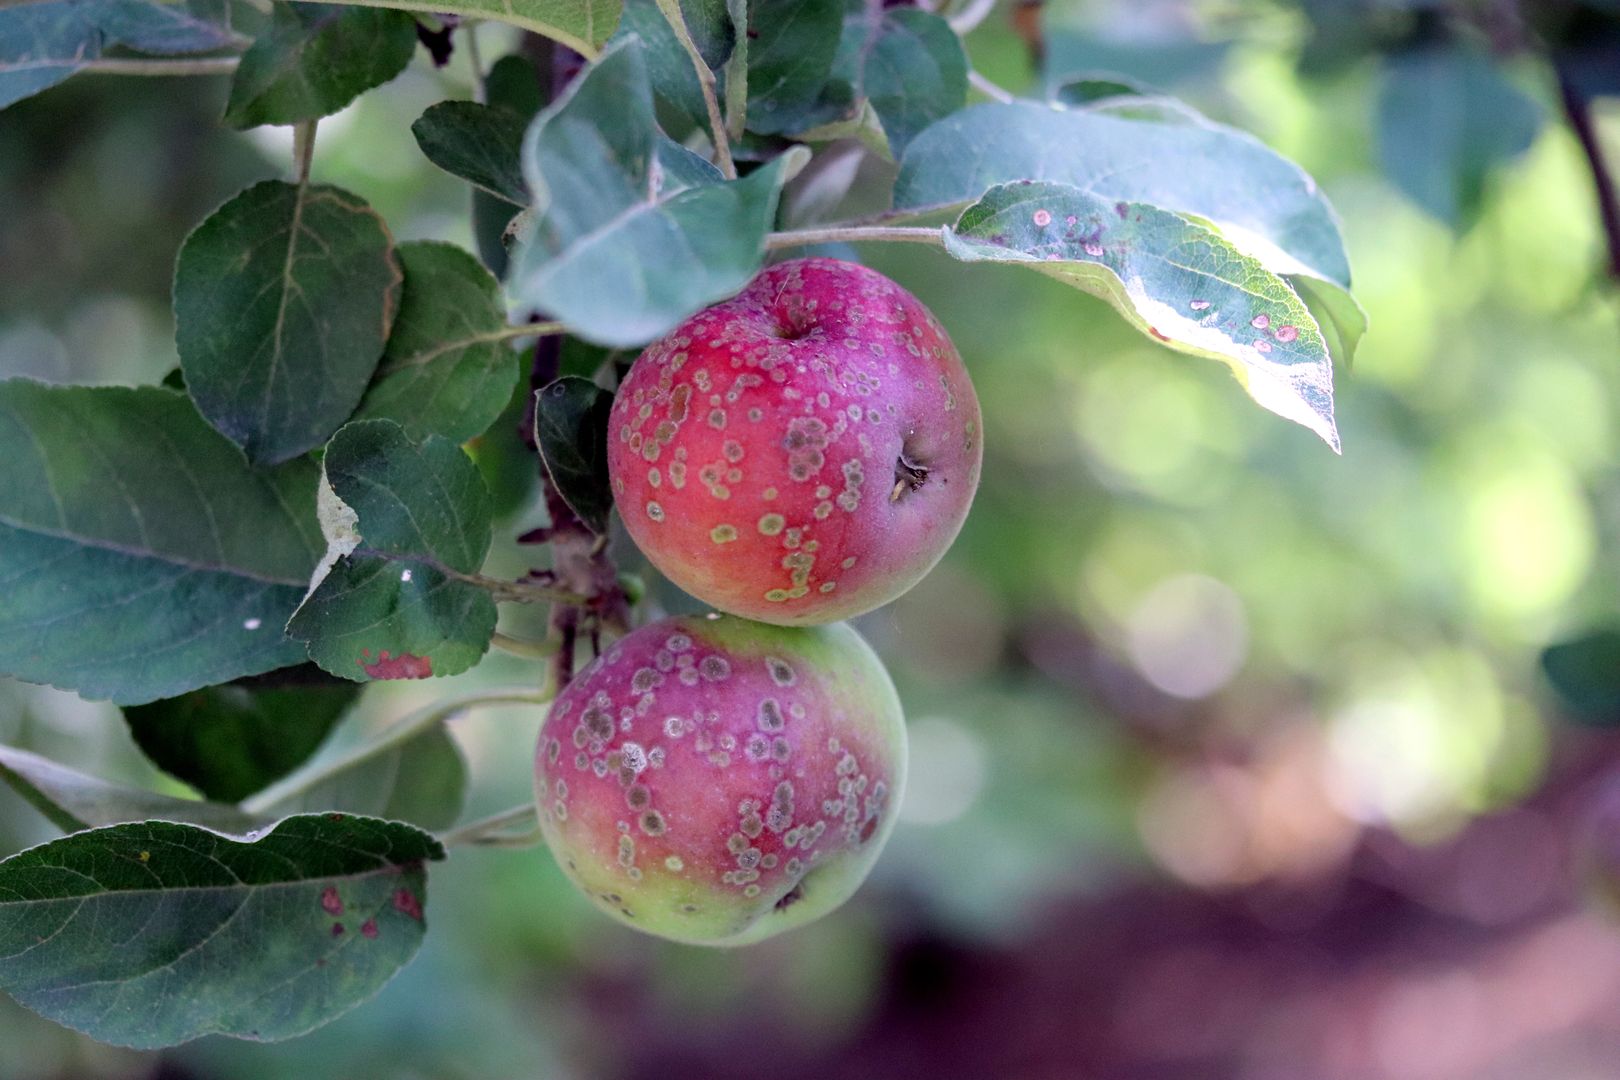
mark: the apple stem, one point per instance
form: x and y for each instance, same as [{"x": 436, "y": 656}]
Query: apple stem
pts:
[{"x": 855, "y": 234}]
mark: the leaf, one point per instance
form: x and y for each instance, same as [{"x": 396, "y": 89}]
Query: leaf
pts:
[
  {"x": 582, "y": 25},
  {"x": 283, "y": 299},
  {"x": 315, "y": 59},
  {"x": 635, "y": 234},
  {"x": 1337, "y": 314},
  {"x": 669, "y": 67},
  {"x": 72, "y": 800},
  {"x": 422, "y": 780},
  {"x": 1446, "y": 118},
  {"x": 152, "y": 26},
  {"x": 139, "y": 556},
  {"x": 571, "y": 429},
  {"x": 1176, "y": 160},
  {"x": 449, "y": 368},
  {"x": 914, "y": 73},
  {"x": 1585, "y": 674},
  {"x": 1073, "y": 51},
  {"x": 152, "y": 934},
  {"x": 478, "y": 143},
  {"x": 41, "y": 45},
  {"x": 232, "y": 740},
  {"x": 791, "y": 48},
  {"x": 1182, "y": 283},
  {"x": 396, "y": 602}
]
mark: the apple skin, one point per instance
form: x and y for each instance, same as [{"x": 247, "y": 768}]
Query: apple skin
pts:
[
  {"x": 801, "y": 453},
  {"x": 717, "y": 781}
]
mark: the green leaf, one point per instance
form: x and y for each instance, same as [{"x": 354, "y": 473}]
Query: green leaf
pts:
[
  {"x": 1180, "y": 282},
  {"x": 282, "y": 303},
  {"x": 154, "y": 26},
  {"x": 232, "y": 740},
  {"x": 669, "y": 68},
  {"x": 408, "y": 524},
  {"x": 449, "y": 368},
  {"x": 635, "y": 234},
  {"x": 582, "y": 25},
  {"x": 152, "y": 934},
  {"x": 914, "y": 72},
  {"x": 1337, "y": 314},
  {"x": 139, "y": 556},
  {"x": 1166, "y": 157},
  {"x": 1446, "y": 118},
  {"x": 571, "y": 429},
  {"x": 72, "y": 800},
  {"x": 42, "y": 44},
  {"x": 791, "y": 48},
  {"x": 1585, "y": 674},
  {"x": 478, "y": 143},
  {"x": 422, "y": 779},
  {"x": 315, "y": 59}
]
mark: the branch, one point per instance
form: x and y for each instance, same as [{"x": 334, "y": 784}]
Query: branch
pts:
[
  {"x": 1578, "y": 110},
  {"x": 399, "y": 733},
  {"x": 988, "y": 88},
  {"x": 968, "y": 19},
  {"x": 855, "y": 234},
  {"x": 491, "y": 830},
  {"x": 208, "y": 65},
  {"x": 705, "y": 77}
]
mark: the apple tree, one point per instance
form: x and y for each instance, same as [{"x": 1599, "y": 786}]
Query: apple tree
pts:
[{"x": 305, "y": 505}]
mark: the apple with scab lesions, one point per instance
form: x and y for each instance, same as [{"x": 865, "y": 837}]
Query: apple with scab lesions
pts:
[
  {"x": 801, "y": 453},
  {"x": 716, "y": 781}
]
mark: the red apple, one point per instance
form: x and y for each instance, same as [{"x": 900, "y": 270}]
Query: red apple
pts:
[
  {"x": 802, "y": 453},
  {"x": 717, "y": 781}
]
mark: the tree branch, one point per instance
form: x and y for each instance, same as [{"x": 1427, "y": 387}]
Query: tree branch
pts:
[{"x": 1578, "y": 110}]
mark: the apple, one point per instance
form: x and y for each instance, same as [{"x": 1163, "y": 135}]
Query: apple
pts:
[
  {"x": 801, "y": 453},
  {"x": 717, "y": 781}
]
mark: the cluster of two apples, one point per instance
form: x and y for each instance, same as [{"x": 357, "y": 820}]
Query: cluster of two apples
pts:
[{"x": 800, "y": 454}]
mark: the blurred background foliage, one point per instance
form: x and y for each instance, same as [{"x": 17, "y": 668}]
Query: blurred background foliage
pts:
[{"x": 1232, "y": 759}]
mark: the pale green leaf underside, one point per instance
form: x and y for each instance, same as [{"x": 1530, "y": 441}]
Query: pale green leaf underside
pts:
[
  {"x": 140, "y": 556},
  {"x": 73, "y": 800},
  {"x": 1178, "y": 281},
  {"x": 582, "y": 25},
  {"x": 155, "y": 933}
]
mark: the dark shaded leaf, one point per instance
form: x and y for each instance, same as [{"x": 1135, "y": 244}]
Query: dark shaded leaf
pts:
[
  {"x": 571, "y": 428},
  {"x": 232, "y": 740},
  {"x": 1446, "y": 118},
  {"x": 283, "y": 299},
  {"x": 478, "y": 143},
  {"x": 1585, "y": 673},
  {"x": 315, "y": 59},
  {"x": 140, "y": 557},
  {"x": 582, "y": 25},
  {"x": 449, "y": 368},
  {"x": 152, "y": 934}
]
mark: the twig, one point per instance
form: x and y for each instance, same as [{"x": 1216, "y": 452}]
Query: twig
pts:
[
  {"x": 965, "y": 21},
  {"x": 1578, "y": 110},
  {"x": 489, "y": 829},
  {"x": 303, "y": 149},
  {"x": 988, "y": 88},
  {"x": 834, "y": 234},
  {"x": 717, "y": 124},
  {"x": 208, "y": 65},
  {"x": 544, "y": 649},
  {"x": 400, "y": 732},
  {"x": 480, "y": 91}
]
